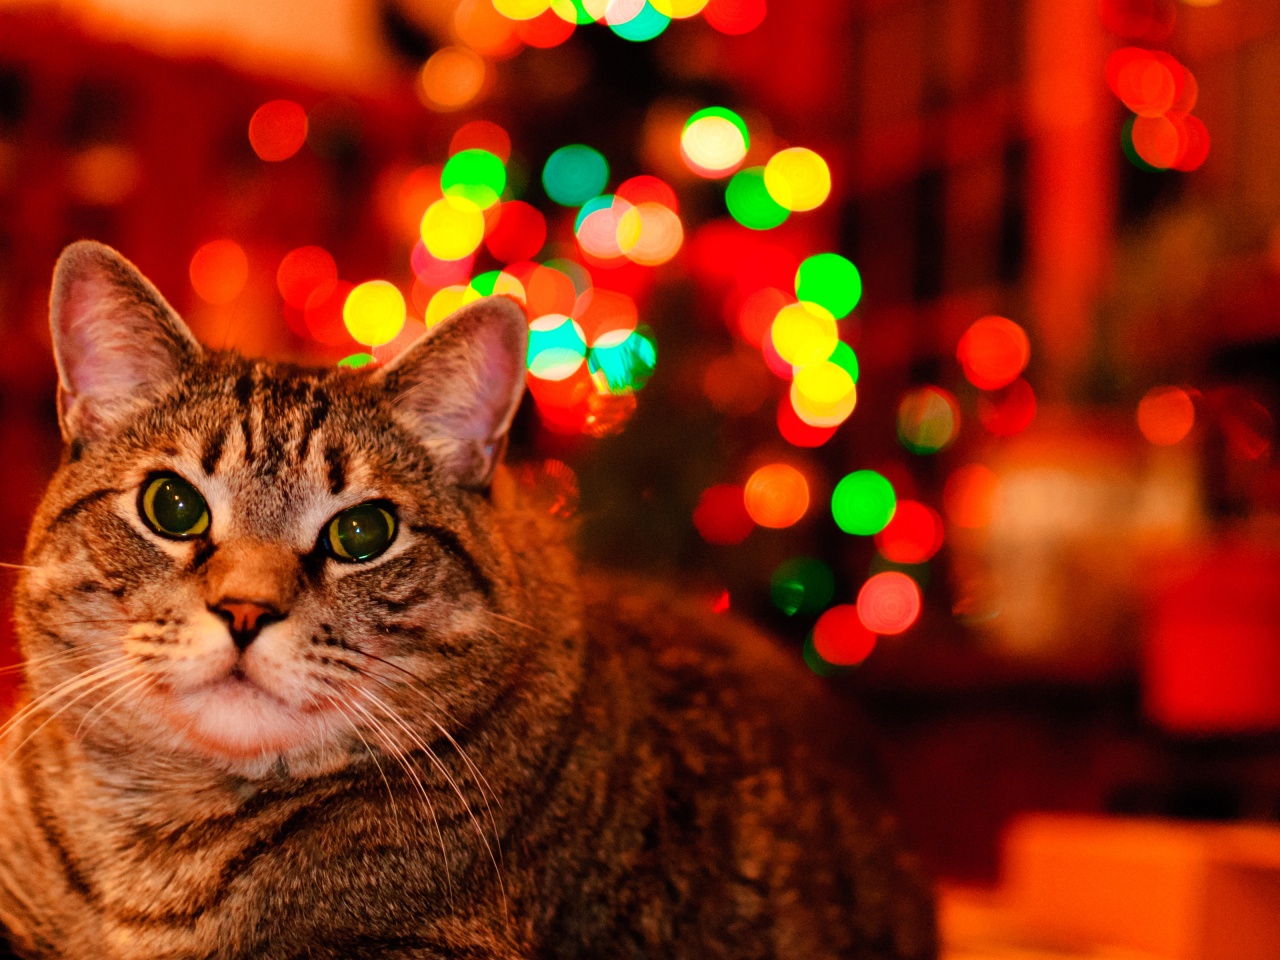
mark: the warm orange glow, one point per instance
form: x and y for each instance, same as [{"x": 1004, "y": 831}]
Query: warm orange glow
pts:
[
  {"x": 219, "y": 271},
  {"x": 302, "y": 271},
  {"x": 1166, "y": 415},
  {"x": 485, "y": 30},
  {"x": 776, "y": 496},
  {"x": 969, "y": 496},
  {"x": 453, "y": 78},
  {"x": 993, "y": 352}
]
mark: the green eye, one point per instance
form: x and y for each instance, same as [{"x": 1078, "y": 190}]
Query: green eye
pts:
[
  {"x": 360, "y": 533},
  {"x": 174, "y": 508}
]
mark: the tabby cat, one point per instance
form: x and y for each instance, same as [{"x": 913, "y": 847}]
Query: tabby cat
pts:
[{"x": 310, "y": 677}]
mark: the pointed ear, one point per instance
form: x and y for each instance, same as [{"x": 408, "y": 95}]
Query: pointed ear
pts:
[
  {"x": 117, "y": 343},
  {"x": 458, "y": 387}
]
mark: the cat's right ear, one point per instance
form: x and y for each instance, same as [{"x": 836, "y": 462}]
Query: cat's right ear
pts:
[{"x": 117, "y": 342}]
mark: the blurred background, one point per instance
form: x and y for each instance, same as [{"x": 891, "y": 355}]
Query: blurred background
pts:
[{"x": 941, "y": 337}]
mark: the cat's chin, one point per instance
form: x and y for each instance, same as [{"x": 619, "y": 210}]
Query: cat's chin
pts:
[{"x": 233, "y": 720}]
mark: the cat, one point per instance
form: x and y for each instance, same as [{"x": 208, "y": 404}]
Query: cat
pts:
[{"x": 309, "y": 675}]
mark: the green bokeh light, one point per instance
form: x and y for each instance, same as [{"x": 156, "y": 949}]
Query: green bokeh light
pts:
[
  {"x": 831, "y": 281},
  {"x": 626, "y": 367},
  {"x": 574, "y": 174},
  {"x": 725, "y": 113},
  {"x": 844, "y": 357},
  {"x": 863, "y": 503},
  {"x": 559, "y": 347},
  {"x": 356, "y": 361},
  {"x": 802, "y": 585},
  {"x": 749, "y": 202},
  {"x": 477, "y": 175},
  {"x": 485, "y": 283},
  {"x": 645, "y": 25}
]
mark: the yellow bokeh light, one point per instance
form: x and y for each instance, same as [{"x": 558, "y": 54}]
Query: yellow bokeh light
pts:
[
  {"x": 679, "y": 9},
  {"x": 443, "y": 303},
  {"x": 804, "y": 333},
  {"x": 505, "y": 286},
  {"x": 452, "y": 78},
  {"x": 374, "y": 313},
  {"x": 521, "y": 9},
  {"x": 823, "y": 394},
  {"x": 567, "y": 10},
  {"x": 713, "y": 145},
  {"x": 650, "y": 234},
  {"x": 452, "y": 228},
  {"x": 797, "y": 179}
]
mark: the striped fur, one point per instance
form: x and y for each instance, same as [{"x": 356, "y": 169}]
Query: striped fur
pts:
[{"x": 470, "y": 749}]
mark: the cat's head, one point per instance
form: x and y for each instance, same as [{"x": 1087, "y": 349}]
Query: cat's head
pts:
[{"x": 242, "y": 560}]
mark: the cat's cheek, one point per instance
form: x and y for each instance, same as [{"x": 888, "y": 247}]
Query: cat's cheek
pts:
[{"x": 199, "y": 655}]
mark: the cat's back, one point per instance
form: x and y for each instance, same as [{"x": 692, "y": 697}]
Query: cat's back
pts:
[{"x": 753, "y": 829}]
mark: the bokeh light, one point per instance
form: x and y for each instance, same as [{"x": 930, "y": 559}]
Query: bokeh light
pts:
[
  {"x": 302, "y": 271},
  {"x": 841, "y": 638},
  {"x": 579, "y": 11},
  {"x": 596, "y": 227},
  {"x": 863, "y": 503},
  {"x": 889, "y": 603},
  {"x": 992, "y": 352},
  {"x": 1166, "y": 415},
  {"x": 830, "y": 281},
  {"x": 323, "y": 314},
  {"x": 544, "y": 31},
  {"x": 721, "y": 515},
  {"x": 647, "y": 189},
  {"x": 776, "y": 496},
  {"x": 606, "y": 317},
  {"x": 969, "y": 496},
  {"x": 574, "y": 174},
  {"x": 649, "y": 234},
  {"x": 679, "y": 9},
  {"x": 476, "y": 175},
  {"x": 408, "y": 335},
  {"x": 277, "y": 130},
  {"x": 481, "y": 27},
  {"x": 823, "y": 394},
  {"x": 443, "y": 303},
  {"x": 804, "y": 333},
  {"x": 914, "y": 534},
  {"x": 623, "y": 366},
  {"x": 219, "y": 271},
  {"x": 795, "y": 431},
  {"x": 452, "y": 78},
  {"x": 549, "y": 291},
  {"x": 714, "y": 142},
  {"x": 645, "y": 25},
  {"x": 374, "y": 312},
  {"x": 482, "y": 135},
  {"x": 802, "y": 585},
  {"x": 557, "y": 347},
  {"x": 1009, "y": 410},
  {"x": 750, "y": 203},
  {"x": 735, "y": 17},
  {"x": 928, "y": 420},
  {"x": 452, "y": 228},
  {"x": 518, "y": 233},
  {"x": 757, "y": 313},
  {"x": 521, "y": 9},
  {"x": 797, "y": 179},
  {"x": 355, "y": 361}
]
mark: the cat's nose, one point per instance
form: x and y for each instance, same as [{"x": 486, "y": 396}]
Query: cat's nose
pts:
[{"x": 245, "y": 618}]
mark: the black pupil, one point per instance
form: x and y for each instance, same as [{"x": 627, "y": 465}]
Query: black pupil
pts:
[
  {"x": 176, "y": 505},
  {"x": 363, "y": 531}
]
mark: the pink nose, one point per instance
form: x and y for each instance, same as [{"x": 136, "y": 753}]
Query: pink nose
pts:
[{"x": 244, "y": 618}]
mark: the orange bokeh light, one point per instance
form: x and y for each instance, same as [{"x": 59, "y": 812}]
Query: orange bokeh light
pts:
[
  {"x": 776, "y": 496},
  {"x": 841, "y": 638},
  {"x": 993, "y": 352},
  {"x": 302, "y": 271},
  {"x": 889, "y": 603},
  {"x": 277, "y": 130},
  {"x": 1166, "y": 415},
  {"x": 219, "y": 271}
]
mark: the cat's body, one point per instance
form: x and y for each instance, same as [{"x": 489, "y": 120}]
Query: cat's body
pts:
[{"x": 455, "y": 747}]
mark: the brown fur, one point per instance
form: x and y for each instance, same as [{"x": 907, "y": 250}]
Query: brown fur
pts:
[{"x": 498, "y": 757}]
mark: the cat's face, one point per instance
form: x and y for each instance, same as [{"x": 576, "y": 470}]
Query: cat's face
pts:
[{"x": 244, "y": 561}]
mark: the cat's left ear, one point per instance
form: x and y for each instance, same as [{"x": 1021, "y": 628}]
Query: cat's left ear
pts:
[
  {"x": 457, "y": 388},
  {"x": 117, "y": 343}
]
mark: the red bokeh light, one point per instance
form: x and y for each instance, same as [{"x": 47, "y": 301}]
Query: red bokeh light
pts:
[
  {"x": 841, "y": 638},
  {"x": 277, "y": 130},
  {"x": 721, "y": 517},
  {"x": 647, "y": 189},
  {"x": 914, "y": 534},
  {"x": 548, "y": 29},
  {"x": 302, "y": 271},
  {"x": 547, "y": 290},
  {"x": 1009, "y": 410},
  {"x": 518, "y": 232},
  {"x": 889, "y": 603},
  {"x": 757, "y": 312},
  {"x": 219, "y": 271},
  {"x": 735, "y": 17},
  {"x": 1150, "y": 21},
  {"x": 324, "y": 314},
  {"x": 482, "y": 135},
  {"x": 795, "y": 431},
  {"x": 603, "y": 312},
  {"x": 993, "y": 352},
  {"x": 1166, "y": 415}
]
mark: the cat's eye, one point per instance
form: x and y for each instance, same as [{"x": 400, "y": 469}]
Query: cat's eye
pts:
[
  {"x": 174, "y": 508},
  {"x": 360, "y": 533}
]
